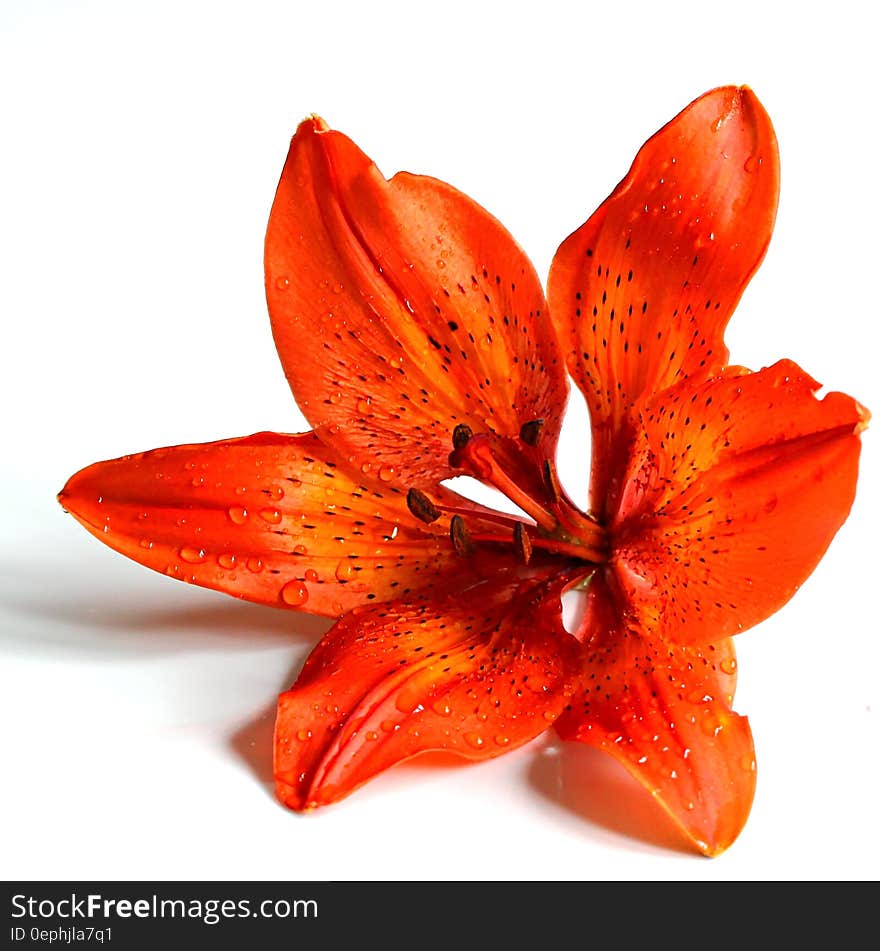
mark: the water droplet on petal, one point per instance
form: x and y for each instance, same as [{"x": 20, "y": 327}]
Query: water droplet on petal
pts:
[
  {"x": 728, "y": 665},
  {"x": 195, "y": 556},
  {"x": 303, "y": 735},
  {"x": 387, "y": 473},
  {"x": 272, "y": 516},
  {"x": 753, "y": 163},
  {"x": 300, "y": 550},
  {"x": 311, "y": 575},
  {"x": 238, "y": 514},
  {"x": 255, "y": 565},
  {"x": 145, "y": 543},
  {"x": 344, "y": 570},
  {"x": 502, "y": 740},
  {"x": 474, "y": 740},
  {"x": 363, "y": 404},
  {"x": 282, "y": 283},
  {"x": 294, "y": 593},
  {"x": 226, "y": 560}
]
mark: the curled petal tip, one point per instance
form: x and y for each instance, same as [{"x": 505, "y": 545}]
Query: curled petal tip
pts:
[{"x": 313, "y": 123}]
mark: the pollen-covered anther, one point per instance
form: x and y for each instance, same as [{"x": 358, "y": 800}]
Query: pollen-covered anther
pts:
[
  {"x": 523, "y": 542},
  {"x": 461, "y": 537},
  {"x": 530, "y": 433},
  {"x": 461, "y": 436},
  {"x": 421, "y": 506}
]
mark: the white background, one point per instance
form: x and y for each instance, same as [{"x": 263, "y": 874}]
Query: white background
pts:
[{"x": 141, "y": 146}]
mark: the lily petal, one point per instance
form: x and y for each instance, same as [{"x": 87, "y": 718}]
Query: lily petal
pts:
[
  {"x": 665, "y": 713},
  {"x": 270, "y": 518},
  {"x": 401, "y": 309},
  {"x": 736, "y": 489},
  {"x": 642, "y": 292},
  {"x": 477, "y": 674}
]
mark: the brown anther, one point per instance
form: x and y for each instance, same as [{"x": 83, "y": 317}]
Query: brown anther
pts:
[
  {"x": 461, "y": 537},
  {"x": 523, "y": 542},
  {"x": 461, "y": 435},
  {"x": 551, "y": 481},
  {"x": 421, "y": 506},
  {"x": 531, "y": 431}
]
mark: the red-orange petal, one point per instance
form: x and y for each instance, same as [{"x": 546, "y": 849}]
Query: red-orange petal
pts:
[
  {"x": 476, "y": 674},
  {"x": 270, "y": 518},
  {"x": 735, "y": 490},
  {"x": 400, "y": 309},
  {"x": 642, "y": 292},
  {"x": 665, "y": 713}
]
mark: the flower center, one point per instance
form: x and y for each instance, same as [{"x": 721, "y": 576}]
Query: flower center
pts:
[{"x": 523, "y": 472}]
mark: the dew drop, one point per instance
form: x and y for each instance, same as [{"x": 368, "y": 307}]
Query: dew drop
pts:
[
  {"x": 550, "y": 715},
  {"x": 344, "y": 570},
  {"x": 272, "y": 516},
  {"x": 145, "y": 543},
  {"x": 371, "y": 735},
  {"x": 748, "y": 763},
  {"x": 728, "y": 665},
  {"x": 389, "y": 726},
  {"x": 195, "y": 556},
  {"x": 711, "y": 726},
  {"x": 387, "y": 473},
  {"x": 474, "y": 740},
  {"x": 277, "y": 493},
  {"x": 442, "y": 708},
  {"x": 753, "y": 163},
  {"x": 337, "y": 607},
  {"x": 294, "y": 593},
  {"x": 363, "y": 404},
  {"x": 282, "y": 283},
  {"x": 226, "y": 560},
  {"x": 300, "y": 550},
  {"x": 197, "y": 481},
  {"x": 303, "y": 735},
  {"x": 238, "y": 514},
  {"x": 311, "y": 575},
  {"x": 502, "y": 740},
  {"x": 255, "y": 565}
]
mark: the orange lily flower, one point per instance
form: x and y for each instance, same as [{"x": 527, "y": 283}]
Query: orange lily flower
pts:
[{"x": 419, "y": 345}]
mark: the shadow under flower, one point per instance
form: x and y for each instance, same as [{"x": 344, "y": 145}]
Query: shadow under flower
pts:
[{"x": 595, "y": 787}]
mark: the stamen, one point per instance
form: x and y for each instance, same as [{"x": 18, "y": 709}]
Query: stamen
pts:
[
  {"x": 531, "y": 431},
  {"x": 551, "y": 481},
  {"x": 461, "y": 435},
  {"x": 421, "y": 506},
  {"x": 477, "y": 456},
  {"x": 523, "y": 542},
  {"x": 461, "y": 537}
]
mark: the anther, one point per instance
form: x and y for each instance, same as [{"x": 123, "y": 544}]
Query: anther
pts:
[
  {"x": 461, "y": 435},
  {"x": 523, "y": 542},
  {"x": 461, "y": 537},
  {"x": 551, "y": 481},
  {"x": 421, "y": 506},
  {"x": 530, "y": 433}
]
